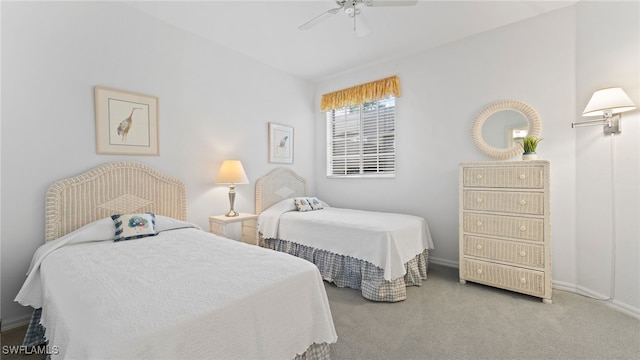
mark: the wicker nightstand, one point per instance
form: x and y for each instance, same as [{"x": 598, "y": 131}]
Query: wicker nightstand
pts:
[{"x": 218, "y": 226}]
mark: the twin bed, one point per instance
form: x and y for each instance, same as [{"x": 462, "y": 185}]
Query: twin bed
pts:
[
  {"x": 181, "y": 293},
  {"x": 378, "y": 253}
]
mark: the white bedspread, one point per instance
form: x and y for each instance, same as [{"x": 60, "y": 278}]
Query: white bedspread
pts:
[
  {"x": 181, "y": 294},
  {"x": 386, "y": 240}
]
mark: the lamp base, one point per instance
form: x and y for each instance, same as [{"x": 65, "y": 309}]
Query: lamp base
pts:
[
  {"x": 231, "y": 213},
  {"x": 232, "y": 199}
]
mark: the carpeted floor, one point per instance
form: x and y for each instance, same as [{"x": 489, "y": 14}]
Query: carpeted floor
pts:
[
  {"x": 11, "y": 340},
  {"x": 445, "y": 320}
]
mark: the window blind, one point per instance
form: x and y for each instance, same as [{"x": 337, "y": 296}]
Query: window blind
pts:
[{"x": 361, "y": 139}]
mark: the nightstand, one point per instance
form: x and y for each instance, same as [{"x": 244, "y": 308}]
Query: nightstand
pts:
[{"x": 218, "y": 225}]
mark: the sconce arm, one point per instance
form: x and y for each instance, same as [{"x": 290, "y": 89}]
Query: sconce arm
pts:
[{"x": 602, "y": 121}]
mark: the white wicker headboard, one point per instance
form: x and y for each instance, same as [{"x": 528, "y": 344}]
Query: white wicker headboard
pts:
[
  {"x": 117, "y": 187},
  {"x": 277, "y": 185}
]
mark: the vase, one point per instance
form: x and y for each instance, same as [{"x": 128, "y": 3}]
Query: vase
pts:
[{"x": 529, "y": 156}]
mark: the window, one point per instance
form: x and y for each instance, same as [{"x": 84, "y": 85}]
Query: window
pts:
[{"x": 361, "y": 140}]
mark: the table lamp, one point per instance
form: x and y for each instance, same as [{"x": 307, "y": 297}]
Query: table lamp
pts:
[{"x": 232, "y": 173}]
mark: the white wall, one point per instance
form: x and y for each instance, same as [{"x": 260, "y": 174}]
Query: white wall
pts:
[
  {"x": 553, "y": 62},
  {"x": 608, "y": 55},
  {"x": 214, "y": 104},
  {"x": 442, "y": 92}
]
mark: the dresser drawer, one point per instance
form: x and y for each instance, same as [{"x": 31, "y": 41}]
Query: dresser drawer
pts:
[
  {"x": 504, "y": 226},
  {"x": 519, "y": 177},
  {"x": 530, "y": 203},
  {"x": 507, "y": 277},
  {"x": 505, "y": 251}
]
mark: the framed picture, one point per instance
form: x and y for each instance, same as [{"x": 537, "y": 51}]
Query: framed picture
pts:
[
  {"x": 126, "y": 122},
  {"x": 280, "y": 143}
]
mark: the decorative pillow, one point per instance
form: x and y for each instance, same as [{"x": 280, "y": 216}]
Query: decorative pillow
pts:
[
  {"x": 315, "y": 203},
  {"x": 302, "y": 204},
  {"x": 134, "y": 226}
]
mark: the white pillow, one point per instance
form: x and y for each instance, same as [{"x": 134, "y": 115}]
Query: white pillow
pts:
[
  {"x": 164, "y": 223},
  {"x": 282, "y": 206},
  {"x": 99, "y": 230}
]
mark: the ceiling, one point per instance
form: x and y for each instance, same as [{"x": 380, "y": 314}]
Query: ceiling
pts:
[{"x": 268, "y": 30}]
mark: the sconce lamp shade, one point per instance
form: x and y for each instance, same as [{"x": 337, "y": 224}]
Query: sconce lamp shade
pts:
[
  {"x": 232, "y": 172},
  {"x": 613, "y": 99}
]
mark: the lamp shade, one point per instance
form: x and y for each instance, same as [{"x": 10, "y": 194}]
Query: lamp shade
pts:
[
  {"x": 614, "y": 99},
  {"x": 232, "y": 172}
]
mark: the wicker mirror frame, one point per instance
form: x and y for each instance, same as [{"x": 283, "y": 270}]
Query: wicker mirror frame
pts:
[{"x": 535, "y": 127}]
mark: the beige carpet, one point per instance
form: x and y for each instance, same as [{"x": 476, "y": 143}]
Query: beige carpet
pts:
[
  {"x": 11, "y": 340},
  {"x": 445, "y": 320}
]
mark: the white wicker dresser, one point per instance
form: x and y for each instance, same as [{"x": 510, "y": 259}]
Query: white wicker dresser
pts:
[{"x": 505, "y": 230}]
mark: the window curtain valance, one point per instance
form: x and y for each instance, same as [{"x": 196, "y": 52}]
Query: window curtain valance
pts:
[{"x": 359, "y": 94}]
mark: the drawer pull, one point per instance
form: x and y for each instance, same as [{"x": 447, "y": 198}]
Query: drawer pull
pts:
[
  {"x": 478, "y": 176},
  {"x": 523, "y": 228},
  {"x": 479, "y": 200},
  {"x": 523, "y": 253},
  {"x": 523, "y": 202},
  {"x": 479, "y": 247},
  {"x": 479, "y": 223},
  {"x": 523, "y": 176},
  {"x": 523, "y": 281},
  {"x": 479, "y": 271}
]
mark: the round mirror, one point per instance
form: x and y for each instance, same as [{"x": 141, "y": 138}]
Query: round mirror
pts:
[{"x": 499, "y": 128}]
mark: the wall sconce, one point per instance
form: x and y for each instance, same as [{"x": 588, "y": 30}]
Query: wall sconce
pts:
[
  {"x": 608, "y": 103},
  {"x": 232, "y": 173}
]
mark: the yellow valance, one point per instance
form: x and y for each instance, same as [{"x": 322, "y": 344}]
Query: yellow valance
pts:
[{"x": 359, "y": 94}]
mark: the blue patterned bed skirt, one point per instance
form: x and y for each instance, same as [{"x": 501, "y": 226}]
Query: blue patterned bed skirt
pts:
[
  {"x": 35, "y": 337},
  {"x": 35, "y": 331},
  {"x": 346, "y": 271}
]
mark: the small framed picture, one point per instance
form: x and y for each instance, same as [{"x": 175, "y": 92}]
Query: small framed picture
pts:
[
  {"x": 280, "y": 143},
  {"x": 126, "y": 122}
]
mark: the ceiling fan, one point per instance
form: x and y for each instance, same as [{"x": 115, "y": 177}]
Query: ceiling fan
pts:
[{"x": 350, "y": 7}]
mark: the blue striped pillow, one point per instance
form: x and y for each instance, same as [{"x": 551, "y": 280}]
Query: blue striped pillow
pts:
[{"x": 134, "y": 226}]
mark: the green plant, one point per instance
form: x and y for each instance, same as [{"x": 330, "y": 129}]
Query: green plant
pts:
[{"x": 530, "y": 144}]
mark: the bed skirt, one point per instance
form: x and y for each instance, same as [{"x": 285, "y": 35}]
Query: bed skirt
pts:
[
  {"x": 346, "y": 271},
  {"x": 35, "y": 337},
  {"x": 316, "y": 352}
]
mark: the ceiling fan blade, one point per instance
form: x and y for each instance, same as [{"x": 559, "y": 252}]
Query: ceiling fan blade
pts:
[
  {"x": 376, "y": 3},
  {"x": 313, "y": 22}
]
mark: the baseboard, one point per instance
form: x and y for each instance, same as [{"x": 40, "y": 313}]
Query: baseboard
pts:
[
  {"x": 613, "y": 303},
  {"x": 443, "y": 262},
  {"x": 592, "y": 294},
  {"x": 565, "y": 286},
  {"x": 625, "y": 308},
  {"x": 562, "y": 285},
  {"x": 14, "y": 323}
]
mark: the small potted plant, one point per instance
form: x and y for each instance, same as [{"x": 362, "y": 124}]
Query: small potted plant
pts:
[{"x": 530, "y": 144}]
